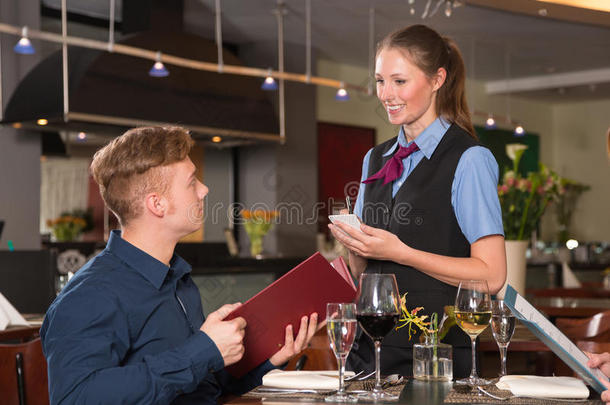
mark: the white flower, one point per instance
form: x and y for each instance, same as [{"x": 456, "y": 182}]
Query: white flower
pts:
[{"x": 514, "y": 150}]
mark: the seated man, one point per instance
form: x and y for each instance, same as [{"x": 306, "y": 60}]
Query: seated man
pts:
[{"x": 129, "y": 327}]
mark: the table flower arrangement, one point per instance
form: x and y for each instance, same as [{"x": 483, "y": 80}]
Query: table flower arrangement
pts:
[
  {"x": 431, "y": 358},
  {"x": 525, "y": 199},
  {"x": 66, "y": 228},
  {"x": 257, "y": 223}
]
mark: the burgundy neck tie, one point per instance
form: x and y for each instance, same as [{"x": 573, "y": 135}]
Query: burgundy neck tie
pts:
[{"x": 393, "y": 168}]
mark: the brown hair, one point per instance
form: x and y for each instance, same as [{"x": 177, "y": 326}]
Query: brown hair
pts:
[
  {"x": 132, "y": 166},
  {"x": 429, "y": 52}
]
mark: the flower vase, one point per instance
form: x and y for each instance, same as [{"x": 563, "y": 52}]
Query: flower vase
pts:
[
  {"x": 256, "y": 245},
  {"x": 516, "y": 266},
  {"x": 432, "y": 360}
]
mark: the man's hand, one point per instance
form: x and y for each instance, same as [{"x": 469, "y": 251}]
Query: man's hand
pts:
[
  {"x": 228, "y": 336},
  {"x": 292, "y": 346}
]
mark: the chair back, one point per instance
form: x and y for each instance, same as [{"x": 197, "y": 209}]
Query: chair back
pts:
[
  {"x": 23, "y": 374},
  {"x": 595, "y": 328}
]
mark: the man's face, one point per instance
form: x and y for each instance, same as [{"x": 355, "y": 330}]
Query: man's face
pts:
[{"x": 185, "y": 196}]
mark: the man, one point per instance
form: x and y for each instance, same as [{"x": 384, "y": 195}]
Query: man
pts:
[{"x": 129, "y": 327}]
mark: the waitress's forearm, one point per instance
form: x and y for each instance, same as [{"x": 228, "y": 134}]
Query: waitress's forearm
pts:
[
  {"x": 357, "y": 264},
  {"x": 489, "y": 266}
]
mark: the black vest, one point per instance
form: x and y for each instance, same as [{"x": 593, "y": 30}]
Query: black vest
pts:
[{"x": 422, "y": 216}]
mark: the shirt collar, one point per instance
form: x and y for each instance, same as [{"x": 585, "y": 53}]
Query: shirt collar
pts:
[
  {"x": 427, "y": 141},
  {"x": 150, "y": 268}
]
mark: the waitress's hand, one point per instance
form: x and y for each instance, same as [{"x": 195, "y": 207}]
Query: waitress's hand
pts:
[{"x": 371, "y": 243}]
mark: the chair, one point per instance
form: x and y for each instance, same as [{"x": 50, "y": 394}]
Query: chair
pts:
[
  {"x": 23, "y": 374},
  {"x": 317, "y": 356},
  {"x": 592, "y": 332},
  {"x": 595, "y": 328}
]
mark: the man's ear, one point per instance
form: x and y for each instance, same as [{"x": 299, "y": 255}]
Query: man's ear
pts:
[{"x": 156, "y": 204}]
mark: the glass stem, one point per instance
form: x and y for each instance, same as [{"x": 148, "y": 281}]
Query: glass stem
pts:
[
  {"x": 473, "y": 372},
  {"x": 341, "y": 365},
  {"x": 503, "y": 349},
  {"x": 377, "y": 365}
]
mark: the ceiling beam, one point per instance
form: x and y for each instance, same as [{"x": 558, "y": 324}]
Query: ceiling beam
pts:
[
  {"x": 552, "y": 11},
  {"x": 551, "y": 81}
]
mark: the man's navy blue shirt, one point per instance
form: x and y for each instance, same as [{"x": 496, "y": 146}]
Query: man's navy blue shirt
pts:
[{"x": 125, "y": 330}]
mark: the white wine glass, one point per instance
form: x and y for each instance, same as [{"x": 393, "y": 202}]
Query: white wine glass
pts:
[
  {"x": 473, "y": 315},
  {"x": 377, "y": 306},
  {"x": 502, "y": 327},
  {"x": 341, "y": 329}
]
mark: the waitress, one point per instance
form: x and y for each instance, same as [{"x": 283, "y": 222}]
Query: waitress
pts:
[{"x": 428, "y": 198}]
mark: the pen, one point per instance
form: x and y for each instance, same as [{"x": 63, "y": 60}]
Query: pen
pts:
[{"x": 348, "y": 201}]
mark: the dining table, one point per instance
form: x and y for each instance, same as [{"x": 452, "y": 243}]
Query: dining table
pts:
[{"x": 416, "y": 392}]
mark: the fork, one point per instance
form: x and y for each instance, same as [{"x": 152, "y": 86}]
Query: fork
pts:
[{"x": 489, "y": 394}]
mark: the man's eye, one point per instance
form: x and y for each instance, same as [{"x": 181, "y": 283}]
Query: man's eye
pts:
[
  {"x": 379, "y": 81},
  {"x": 400, "y": 81}
]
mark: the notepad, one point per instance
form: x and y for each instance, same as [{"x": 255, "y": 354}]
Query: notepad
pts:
[
  {"x": 305, "y": 289},
  {"x": 347, "y": 219}
]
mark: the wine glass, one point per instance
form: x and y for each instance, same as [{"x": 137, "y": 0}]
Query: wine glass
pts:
[
  {"x": 502, "y": 327},
  {"x": 473, "y": 314},
  {"x": 341, "y": 329},
  {"x": 377, "y": 306}
]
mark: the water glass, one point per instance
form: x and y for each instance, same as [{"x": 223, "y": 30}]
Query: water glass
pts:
[
  {"x": 502, "y": 327},
  {"x": 341, "y": 329}
]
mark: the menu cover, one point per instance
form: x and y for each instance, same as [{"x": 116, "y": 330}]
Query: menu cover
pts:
[
  {"x": 555, "y": 340},
  {"x": 303, "y": 290}
]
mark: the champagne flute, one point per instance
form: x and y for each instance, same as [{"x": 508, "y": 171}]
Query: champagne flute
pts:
[
  {"x": 341, "y": 329},
  {"x": 473, "y": 314},
  {"x": 377, "y": 306},
  {"x": 502, "y": 327}
]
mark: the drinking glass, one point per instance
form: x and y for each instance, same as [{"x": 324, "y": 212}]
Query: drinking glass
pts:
[
  {"x": 341, "y": 329},
  {"x": 502, "y": 327},
  {"x": 377, "y": 306},
  {"x": 473, "y": 314}
]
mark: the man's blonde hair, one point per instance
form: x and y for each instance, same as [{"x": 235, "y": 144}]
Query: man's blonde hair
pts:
[{"x": 133, "y": 165}]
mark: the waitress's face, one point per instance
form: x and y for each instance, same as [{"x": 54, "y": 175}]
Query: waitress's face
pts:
[{"x": 405, "y": 91}]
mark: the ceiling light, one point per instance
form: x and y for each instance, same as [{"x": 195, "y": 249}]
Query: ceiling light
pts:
[
  {"x": 269, "y": 84},
  {"x": 24, "y": 46},
  {"x": 519, "y": 131},
  {"x": 543, "y": 12},
  {"x": 448, "y": 9},
  {"x": 82, "y": 136},
  {"x": 571, "y": 244},
  {"x": 216, "y": 139},
  {"x": 342, "y": 94},
  {"x": 42, "y": 121},
  {"x": 490, "y": 123},
  {"x": 158, "y": 69}
]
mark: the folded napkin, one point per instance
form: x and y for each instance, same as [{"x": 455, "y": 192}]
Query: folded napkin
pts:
[
  {"x": 312, "y": 380},
  {"x": 9, "y": 316},
  {"x": 544, "y": 387}
]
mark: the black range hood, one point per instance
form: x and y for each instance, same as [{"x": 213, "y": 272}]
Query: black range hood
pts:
[{"x": 109, "y": 93}]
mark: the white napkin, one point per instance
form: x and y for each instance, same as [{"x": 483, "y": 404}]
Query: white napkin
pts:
[
  {"x": 569, "y": 278},
  {"x": 546, "y": 387},
  {"x": 313, "y": 380},
  {"x": 9, "y": 316}
]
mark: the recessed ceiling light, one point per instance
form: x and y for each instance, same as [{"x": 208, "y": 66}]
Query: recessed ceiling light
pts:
[
  {"x": 216, "y": 139},
  {"x": 42, "y": 121}
]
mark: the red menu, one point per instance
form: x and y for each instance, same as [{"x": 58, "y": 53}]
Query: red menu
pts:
[{"x": 303, "y": 290}]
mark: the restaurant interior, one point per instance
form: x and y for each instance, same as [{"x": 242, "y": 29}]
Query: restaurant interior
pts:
[{"x": 279, "y": 98}]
